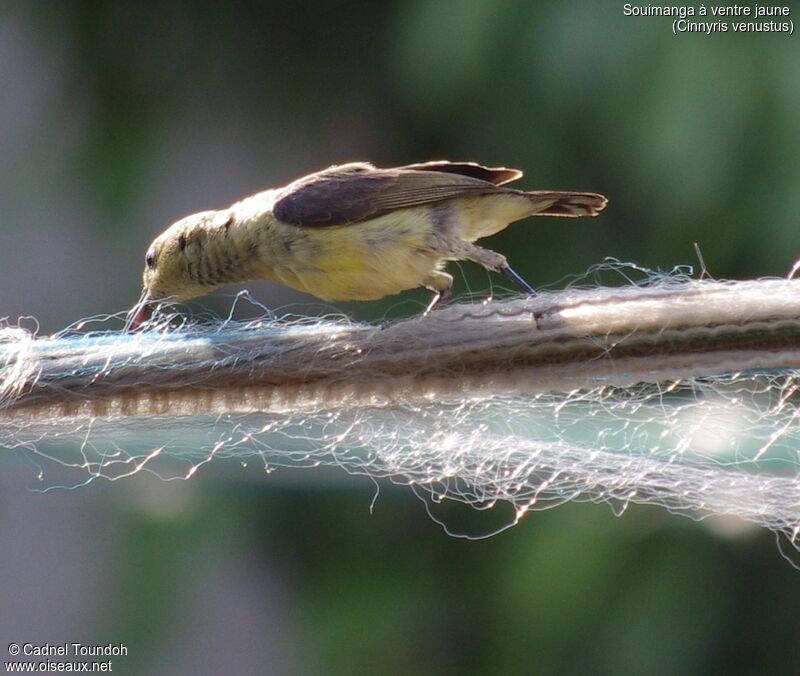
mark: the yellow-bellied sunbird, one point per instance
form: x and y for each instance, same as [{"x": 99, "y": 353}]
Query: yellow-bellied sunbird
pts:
[{"x": 352, "y": 232}]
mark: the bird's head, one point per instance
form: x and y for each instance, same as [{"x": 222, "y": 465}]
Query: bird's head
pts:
[{"x": 173, "y": 265}]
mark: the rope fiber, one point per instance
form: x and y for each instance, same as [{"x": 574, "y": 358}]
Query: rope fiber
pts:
[{"x": 667, "y": 390}]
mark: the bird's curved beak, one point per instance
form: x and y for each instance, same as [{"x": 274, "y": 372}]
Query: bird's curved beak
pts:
[{"x": 139, "y": 313}]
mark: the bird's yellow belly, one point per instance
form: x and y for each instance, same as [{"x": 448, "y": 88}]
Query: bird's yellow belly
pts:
[{"x": 364, "y": 261}]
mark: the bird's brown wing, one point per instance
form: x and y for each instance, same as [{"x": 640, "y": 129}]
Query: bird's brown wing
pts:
[
  {"x": 496, "y": 175},
  {"x": 356, "y": 192}
]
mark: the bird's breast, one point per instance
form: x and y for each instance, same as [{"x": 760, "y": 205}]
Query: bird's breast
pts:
[{"x": 362, "y": 261}]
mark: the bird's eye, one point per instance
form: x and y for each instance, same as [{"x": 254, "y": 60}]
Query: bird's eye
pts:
[{"x": 150, "y": 259}]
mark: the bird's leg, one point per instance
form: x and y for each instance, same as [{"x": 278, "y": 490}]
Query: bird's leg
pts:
[
  {"x": 494, "y": 261},
  {"x": 442, "y": 286},
  {"x": 514, "y": 277}
]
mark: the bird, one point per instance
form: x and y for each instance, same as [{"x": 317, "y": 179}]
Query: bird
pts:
[{"x": 352, "y": 232}]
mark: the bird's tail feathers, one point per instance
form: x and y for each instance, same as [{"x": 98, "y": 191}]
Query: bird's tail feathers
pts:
[{"x": 568, "y": 204}]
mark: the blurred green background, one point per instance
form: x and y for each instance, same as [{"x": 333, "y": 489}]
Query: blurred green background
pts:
[{"x": 117, "y": 118}]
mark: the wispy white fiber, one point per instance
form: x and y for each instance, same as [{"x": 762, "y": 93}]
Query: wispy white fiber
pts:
[{"x": 671, "y": 391}]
